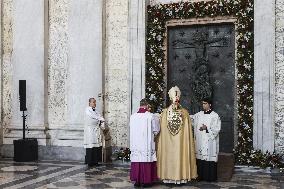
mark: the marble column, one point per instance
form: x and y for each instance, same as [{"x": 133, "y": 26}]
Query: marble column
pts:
[
  {"x": 57, "y": 67},
  {"x": 279, "y": 78},
  {"x": 137, "y": 46},
  {"x": 264, "y": 75},
  {"x": 117, "y": 70}
]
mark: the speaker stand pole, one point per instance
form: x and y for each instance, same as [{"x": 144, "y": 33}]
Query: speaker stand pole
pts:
[{"x": 24, "y": 125}]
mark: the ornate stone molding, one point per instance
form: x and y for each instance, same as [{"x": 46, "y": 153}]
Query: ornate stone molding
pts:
[
  {"x": 58, "y": 60},
  {"x": 116, "y": 71},
  {"x": 279, "y": 78}
]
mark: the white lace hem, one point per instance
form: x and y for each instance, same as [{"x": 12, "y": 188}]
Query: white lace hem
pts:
[{"x": 175, "y": 181}]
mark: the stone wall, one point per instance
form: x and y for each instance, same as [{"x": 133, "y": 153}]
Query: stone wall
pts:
[{"x": 56, "y": 45}]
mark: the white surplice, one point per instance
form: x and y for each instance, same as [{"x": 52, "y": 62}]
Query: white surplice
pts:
[
  {"x": 94, "y": 122},
  {"x": 143, "y": 128},
  {"x": 207, "y": 144}
]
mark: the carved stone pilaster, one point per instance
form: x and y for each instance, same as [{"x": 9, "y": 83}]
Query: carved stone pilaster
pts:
[
  {"x": 58, "y": 60},
  {"x": 279, "y": 78},
  {"x": 7, "y": 63},
  {"x": 116, "y": 70},
  {"x": 1, "y": 127}
]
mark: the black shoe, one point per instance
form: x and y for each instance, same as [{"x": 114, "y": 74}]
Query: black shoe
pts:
[
  {"x": 146, "y": 185},
  {"x": 137, "y": 184}
]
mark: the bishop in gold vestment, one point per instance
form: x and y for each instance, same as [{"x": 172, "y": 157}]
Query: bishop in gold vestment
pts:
[{"x": 176, "y": 159}]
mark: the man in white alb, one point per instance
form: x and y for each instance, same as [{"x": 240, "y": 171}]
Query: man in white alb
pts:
[
  {"x": 94, "y": 123},
  {"x": 207, "y": 125},
  {"x": 144, "y": 126}
]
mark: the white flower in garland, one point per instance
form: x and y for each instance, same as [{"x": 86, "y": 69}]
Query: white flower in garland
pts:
[
  {"x": 247, "y": 66},
  {"x": 245, "y": 126},
  {"x": 240, "y": 76},
  {"x": 152, "y": 72},
  {"x": 236, "y": 2},
  {"x": 160, "y": 88},
  {"x": 180, "y": 6},
  {"x": 242, "y": 91},
  {"x": 159, "y": 37},
  {"x": 152, "y": 97},
  {"x": 169, "y": 12},
  {"x": 249, "y": 9}
]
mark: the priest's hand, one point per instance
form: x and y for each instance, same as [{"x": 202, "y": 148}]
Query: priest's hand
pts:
[{"x": 204, "y": 127}]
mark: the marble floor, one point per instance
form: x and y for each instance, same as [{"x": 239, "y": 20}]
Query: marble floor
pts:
[{"x": 76, "y": 175}]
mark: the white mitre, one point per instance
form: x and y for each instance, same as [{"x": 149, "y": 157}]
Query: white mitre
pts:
[{"x": 174, "y": 92}]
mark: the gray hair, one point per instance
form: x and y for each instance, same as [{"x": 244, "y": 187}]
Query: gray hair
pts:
[{"x": 90, "y": 99}]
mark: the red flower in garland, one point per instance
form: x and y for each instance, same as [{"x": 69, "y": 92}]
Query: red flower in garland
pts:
[{"x": 158, "y": 14}]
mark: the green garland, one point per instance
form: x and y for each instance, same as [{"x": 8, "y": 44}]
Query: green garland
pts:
[
  {"x": 121, "y": 154},
  {"x": 242, "y": 10}
]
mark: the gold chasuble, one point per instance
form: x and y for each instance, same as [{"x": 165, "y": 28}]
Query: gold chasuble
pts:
[{"x": 176, "y": 159}]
